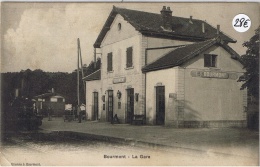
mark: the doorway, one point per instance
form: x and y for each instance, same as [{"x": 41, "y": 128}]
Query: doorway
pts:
[
  {"x": 95, "y": 108},
  {"x": 110, "y": 106},
  {"x": 129, "y": 105},
  {"x": 160, "y": 105}
]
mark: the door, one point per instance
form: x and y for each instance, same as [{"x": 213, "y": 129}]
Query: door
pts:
[
  {"x": 129, "y": 105},
  {"x": 160, "y": 105},
  {"x": 110, "y": 106},
  {"x": 95, "y": 108}
]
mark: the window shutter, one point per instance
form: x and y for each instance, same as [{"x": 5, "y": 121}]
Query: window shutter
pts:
[
  {"x": 109, "y": 62},
  {"x": 129, "y": 57},
  {"x": 207, "y": 61},
  {"x": 214, "y": 57}
]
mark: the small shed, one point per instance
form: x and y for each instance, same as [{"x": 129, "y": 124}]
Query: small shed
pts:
[{"x": 52, "y": 101}]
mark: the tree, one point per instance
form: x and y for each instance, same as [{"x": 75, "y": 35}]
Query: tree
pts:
[
  {"x": 250, "y": 61},
  {"x": 32, "y": 83}
]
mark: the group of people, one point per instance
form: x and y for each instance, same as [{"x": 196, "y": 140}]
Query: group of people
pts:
[{"x": 79, "y": 114}]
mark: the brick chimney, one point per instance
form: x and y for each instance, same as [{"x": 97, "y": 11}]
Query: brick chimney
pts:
[
  {"x": 218, "y": 29},
  {"x": 203, "y": 27},
  {"x": 191, "y": 22},
  {"x": 166, "y": 14}
]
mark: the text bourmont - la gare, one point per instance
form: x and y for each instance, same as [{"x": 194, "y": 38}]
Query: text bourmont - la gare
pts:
[{"x": 127, "y": 156}]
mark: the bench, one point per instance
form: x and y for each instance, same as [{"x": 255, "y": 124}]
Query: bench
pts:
[{"x": 138, "y": 120}]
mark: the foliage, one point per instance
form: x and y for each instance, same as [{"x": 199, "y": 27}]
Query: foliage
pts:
[
  {"x": 92, "y": 67},
  {"x": 37, "y": 82},
  {"x": 250, "y": 61},
  {"x": 33, "y": 83}
]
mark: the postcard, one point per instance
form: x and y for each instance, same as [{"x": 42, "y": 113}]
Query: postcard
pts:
[{"x": 129, "y": 84}]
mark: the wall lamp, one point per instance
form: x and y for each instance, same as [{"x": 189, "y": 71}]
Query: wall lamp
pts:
[
  {"x": 103, "y": 98},
  {"x": 136, "y": 96},
  {"x": 119, "y": 94}
]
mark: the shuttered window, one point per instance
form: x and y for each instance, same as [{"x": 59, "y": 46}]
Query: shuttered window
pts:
[
  {"x": 210, "y": 60},
  {"x": 129, "y": 57},
  {"x": 109, "y": 61}
]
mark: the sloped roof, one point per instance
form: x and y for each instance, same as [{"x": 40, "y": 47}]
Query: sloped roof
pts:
[
  {"x": 150, "y": 24},
  {"x": 182, "y": 54},
  {"x": 94, "y": 76},
  {"x": 45, "y": 95}
]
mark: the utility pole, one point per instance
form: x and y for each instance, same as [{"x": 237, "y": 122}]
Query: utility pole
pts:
[
  {"x": 82, "y": 72},
  {"x": 78, "y": 74}
]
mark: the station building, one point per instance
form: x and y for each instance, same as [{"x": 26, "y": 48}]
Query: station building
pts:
[{"x": 170, "y": 70}]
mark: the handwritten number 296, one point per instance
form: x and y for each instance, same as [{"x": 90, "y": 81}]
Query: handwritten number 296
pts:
[{"x": 241, "y": 22}]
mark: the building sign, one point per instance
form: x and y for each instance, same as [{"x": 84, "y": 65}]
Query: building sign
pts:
[
  {"x": 213, "y": 74},
  {"x": 119, "y": 80},
  {"x": 172, "y": 95}
]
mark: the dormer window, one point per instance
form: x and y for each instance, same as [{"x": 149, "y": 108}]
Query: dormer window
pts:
[
  {"x": 210, "y": 60},
  {"x": 119, "y": 26}
]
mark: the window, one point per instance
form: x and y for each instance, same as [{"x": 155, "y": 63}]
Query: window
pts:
[
  {"x": 119, "y": 26},
  {"x": 129, "y": 57},
  {"x": 109, "y": 62},
  {"x": 129, "y": 105},
  {"x": 210, "y": 60},
  {"x": 60, "y": 100}
]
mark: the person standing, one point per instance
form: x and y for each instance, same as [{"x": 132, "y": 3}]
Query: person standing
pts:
[
  {"x": 74, "y": 113},
  {"x": 50, "y": 112},
  {"x": 79, "y": 113}
]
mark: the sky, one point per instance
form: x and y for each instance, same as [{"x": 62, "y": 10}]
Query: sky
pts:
[{"x": 44, "y": 35}]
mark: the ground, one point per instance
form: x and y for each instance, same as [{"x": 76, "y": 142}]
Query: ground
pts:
[{"x": 96, "y": 143}]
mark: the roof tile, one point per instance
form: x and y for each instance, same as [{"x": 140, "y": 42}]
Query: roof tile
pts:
[
  {"x": 151, "y": 24},
  {"x": 94, "y": 76},
  {"x": 179, "y": 55}
]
